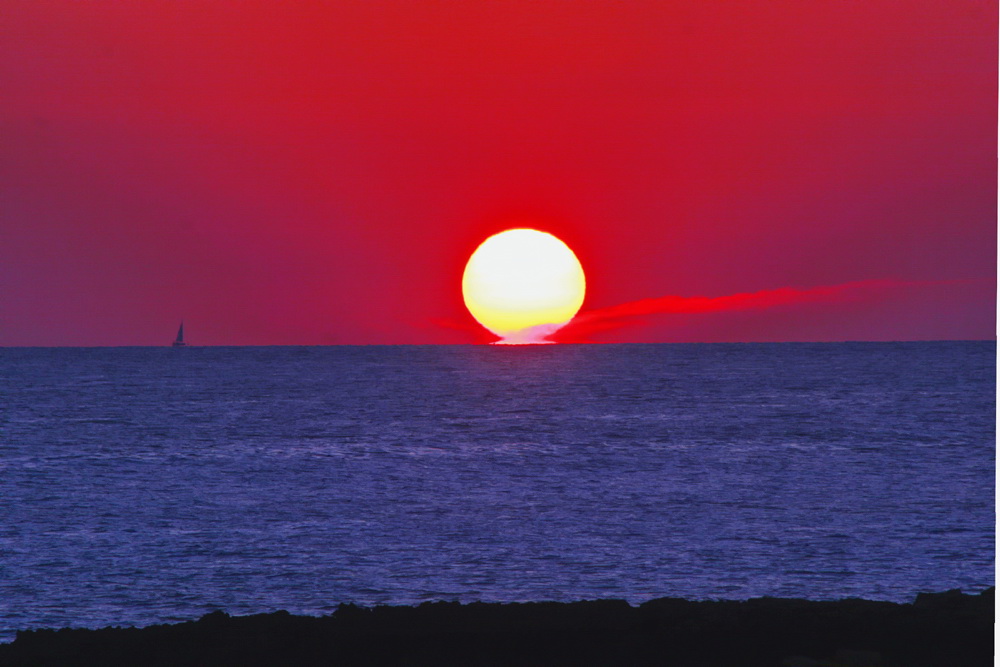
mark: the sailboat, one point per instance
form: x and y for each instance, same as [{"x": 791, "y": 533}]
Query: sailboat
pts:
[{"x": 180, "y": 337}]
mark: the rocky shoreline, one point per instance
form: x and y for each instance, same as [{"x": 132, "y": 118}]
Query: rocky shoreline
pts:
[{"x": 937, "y": 630}]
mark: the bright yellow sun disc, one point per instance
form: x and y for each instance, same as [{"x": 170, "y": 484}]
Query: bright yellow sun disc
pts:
[{"x": 523, "y": 278}]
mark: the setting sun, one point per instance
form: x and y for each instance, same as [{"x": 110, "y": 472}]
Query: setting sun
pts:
[{"x": 523, "y": 284}]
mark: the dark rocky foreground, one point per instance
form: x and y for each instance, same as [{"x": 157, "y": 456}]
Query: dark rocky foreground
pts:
[{"x": 942, "y": 629}]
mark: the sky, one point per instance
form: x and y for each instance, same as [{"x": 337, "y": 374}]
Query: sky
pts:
[{"x": 308, "y": 173}]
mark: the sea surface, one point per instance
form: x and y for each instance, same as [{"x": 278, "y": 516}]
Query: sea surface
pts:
[{"x": 145, "y": 485}]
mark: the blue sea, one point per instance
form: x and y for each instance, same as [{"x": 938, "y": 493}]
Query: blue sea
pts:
[{"x": 146, "y": 485}]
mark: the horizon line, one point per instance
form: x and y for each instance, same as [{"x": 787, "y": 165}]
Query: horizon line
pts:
[{"x": 548, "y": 344}]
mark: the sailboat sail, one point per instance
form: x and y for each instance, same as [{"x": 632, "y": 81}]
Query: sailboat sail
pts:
[{"x": 180, "y": 337}]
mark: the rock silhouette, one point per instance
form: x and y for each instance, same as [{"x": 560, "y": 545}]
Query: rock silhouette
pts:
[{"x": 937, "y": 630}]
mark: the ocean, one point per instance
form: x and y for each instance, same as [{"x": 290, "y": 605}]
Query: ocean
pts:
[{"x": 148, "y": 485}]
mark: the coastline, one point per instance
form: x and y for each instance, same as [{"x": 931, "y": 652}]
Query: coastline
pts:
[{"x": 937, "y": 629}]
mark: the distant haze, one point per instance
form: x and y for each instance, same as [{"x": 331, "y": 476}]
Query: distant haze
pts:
[{"x": 319, "y": 173}]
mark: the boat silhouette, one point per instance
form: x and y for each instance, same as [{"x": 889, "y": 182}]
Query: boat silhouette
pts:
[{"x": 180, "y": 338}]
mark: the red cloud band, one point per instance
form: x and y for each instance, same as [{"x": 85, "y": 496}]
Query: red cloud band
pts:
[{"x": 590, "y": 322}]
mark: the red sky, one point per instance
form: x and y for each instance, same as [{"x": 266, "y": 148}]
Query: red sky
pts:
[{"x": 313, "y": 173}]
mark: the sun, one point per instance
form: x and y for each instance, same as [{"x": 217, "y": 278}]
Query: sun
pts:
[{"x": 523, "y": 285}]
